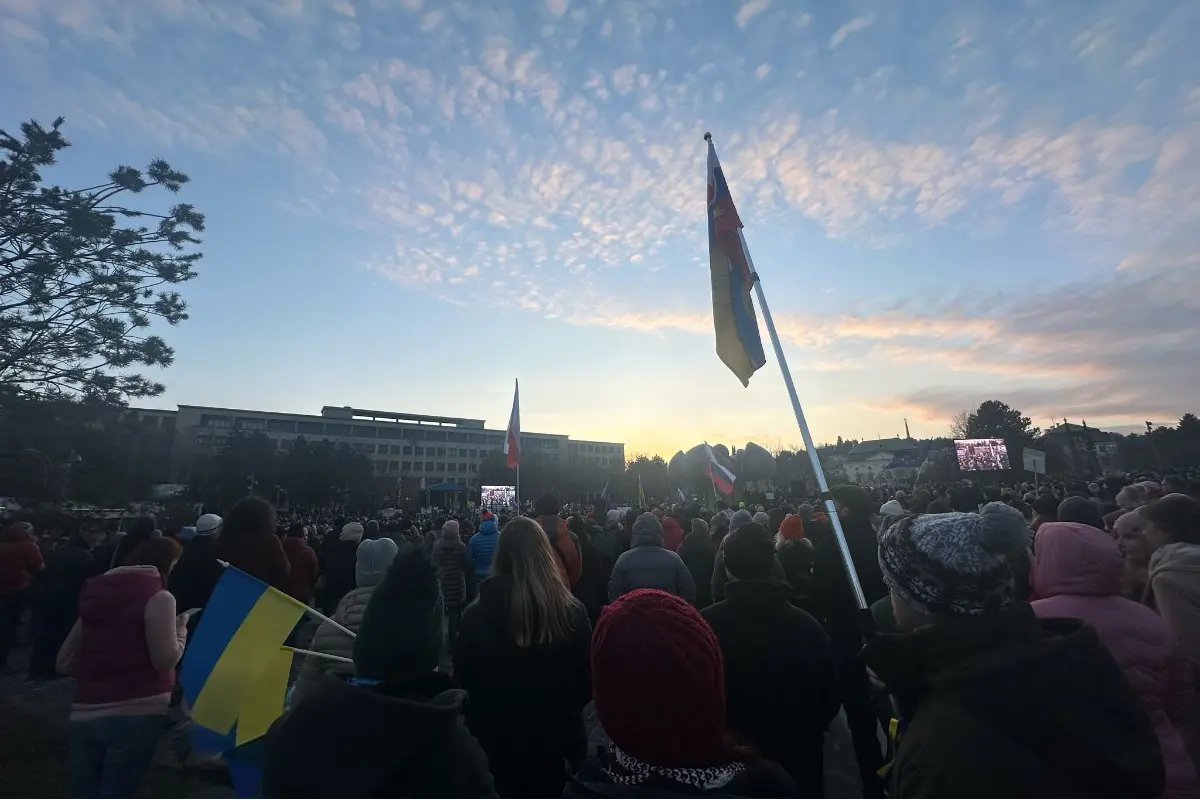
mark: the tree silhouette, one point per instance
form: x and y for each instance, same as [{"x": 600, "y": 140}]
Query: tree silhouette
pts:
[
  {"x": 996, "y": 420},
  {"x": 77, "y": 290}
]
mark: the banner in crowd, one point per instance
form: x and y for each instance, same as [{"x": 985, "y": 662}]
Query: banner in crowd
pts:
[{"x": 1034, "y": 460}]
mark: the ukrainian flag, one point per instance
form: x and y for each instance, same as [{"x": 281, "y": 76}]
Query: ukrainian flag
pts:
[
  {"x": 739, "y": 344},
  {"x": 235, "y": 670}
]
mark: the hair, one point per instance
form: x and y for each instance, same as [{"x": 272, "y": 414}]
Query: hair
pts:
[
  {"x": 1081, "y": 510},
  {"x": 160, "y": 552},
  {"x": 541, "y": 606},
  {"x": 853, "y": 498},
  {"x": 297, "y": 531},
  {"x": 1046, "y": 506},
  {"x": 750, "y": 552},
  {"x": 1176, "y": 515},
  {"x": 248, "y": 517}
]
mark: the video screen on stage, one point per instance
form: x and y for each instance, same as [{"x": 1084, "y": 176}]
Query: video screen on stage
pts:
[
  {"x": 498, "y": 496},
  {"x": 975, "y": 455}
]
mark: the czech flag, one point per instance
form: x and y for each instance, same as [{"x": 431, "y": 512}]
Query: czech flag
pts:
[{"x": 738, "y": 342}]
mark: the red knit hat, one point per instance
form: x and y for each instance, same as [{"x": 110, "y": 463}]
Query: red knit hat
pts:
[
  {"x": 792, "y": 527},
  {"x": 658, "y": 681}
]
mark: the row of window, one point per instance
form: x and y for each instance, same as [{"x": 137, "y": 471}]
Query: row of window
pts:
[
  {"x": 594, "y": 448},
  {"x": 396, "y": 467}
]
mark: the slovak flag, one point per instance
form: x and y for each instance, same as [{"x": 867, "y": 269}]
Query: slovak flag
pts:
[
  {"x": 512, "y": 440},
  {"x": 722, "y": 478}
]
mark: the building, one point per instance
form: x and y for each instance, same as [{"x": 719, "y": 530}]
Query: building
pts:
[
  {"x": 881, "y": 460},
  {"x": 412, "y": 450},
  {"x": 1082, "y": 450}
]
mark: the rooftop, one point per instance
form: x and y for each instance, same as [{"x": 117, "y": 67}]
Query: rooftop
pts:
[{"x": 882, "y": 446}]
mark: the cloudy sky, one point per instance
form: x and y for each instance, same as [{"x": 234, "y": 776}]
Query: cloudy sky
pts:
[{"x": 412, "y": 202}]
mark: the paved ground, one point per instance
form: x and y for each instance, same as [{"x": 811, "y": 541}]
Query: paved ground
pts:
[{"x": 33, "y": 748}]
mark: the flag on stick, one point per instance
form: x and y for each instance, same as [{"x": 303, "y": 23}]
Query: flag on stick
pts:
[
  {"x": 606, "y": 494},
  {"x": 641, "y": 493},
  {"x": 738, "y": 342},
  {"x": 722, "y": 478},
  {"x": 512, "y": 440}
]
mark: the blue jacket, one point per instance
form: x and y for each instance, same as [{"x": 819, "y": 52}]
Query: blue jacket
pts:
[{"x": 482, "y": 547}]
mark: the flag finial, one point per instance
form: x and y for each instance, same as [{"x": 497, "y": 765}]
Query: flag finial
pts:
[{"x": 708, "y": 137}]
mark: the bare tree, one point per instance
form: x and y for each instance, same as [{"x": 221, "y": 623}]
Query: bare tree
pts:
[{"x": 960, "y": 425}]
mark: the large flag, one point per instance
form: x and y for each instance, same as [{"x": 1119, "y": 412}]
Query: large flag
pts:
[
  {"x": 722, "y": 478},
  {"x": 512, "y": 440},
  {"x": 234, "y": 671},
  {"x": 738, "y": 342}
]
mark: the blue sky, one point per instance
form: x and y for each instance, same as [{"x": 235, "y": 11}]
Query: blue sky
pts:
[{"x": 412, "y": 202}]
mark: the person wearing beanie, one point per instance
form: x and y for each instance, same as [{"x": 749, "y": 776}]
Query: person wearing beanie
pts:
[
  {"x": 373, "y": 558},
  {"x": 196, "y": 575},
  {"x": 482, "y": 548},
  {"x": 699, "y": 555},
  {"x": 566, "y": 544},
  {"x": 672, "y": 533},
  {"x": 761, "y": 518},
  {"x": 649, "y": 565},
  {"x": 781, "y": 687},
  {"x": 394, "y": 727},
  {"x": 522, "y": 656},
  {"x": 1078, "y": 574},
  {"x": 449, "y": 559},
  {"x": 659, "y": 688},
  {"x": 976, "y": 671},
  {"x": 740, "y": 518},
  {"x": 1171, "y": 532},
  {"x": 796, "y": 554}
]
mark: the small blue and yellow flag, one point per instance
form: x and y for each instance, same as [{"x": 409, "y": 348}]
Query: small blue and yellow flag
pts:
[{"x": 234, "y": 670}]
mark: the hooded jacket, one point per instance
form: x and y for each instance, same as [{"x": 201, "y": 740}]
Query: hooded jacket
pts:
[
  {"x": 328, "y": 639},
  {"x": 525, "y": 703},
  {"x": 649, "y": 565},
  {"x": 1078, "y": 574},
  {"x": 303, "y": 569},
  {"x": 1174, "y": 591},
  {"x": 566, "y": 547},
  {"x": 448, "y": 556},
  {"x": 396, "y": 740},
  {"x": 482, "y": 548},
  {"x": 1007, "y": 705},
  {"x": 672, "y": 533},
  {"x": 699, "y": 554}
]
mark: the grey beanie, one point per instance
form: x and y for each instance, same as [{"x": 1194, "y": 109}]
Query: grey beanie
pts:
[
  {"x": 762, "y": 518},
  {"x": 740, "y": 517},
  {"x": 956, "y": 563},
  {"x": 700, "y": 526},
  {"x": 374, "y": 556},
  {"x": 647, "y": 525}
]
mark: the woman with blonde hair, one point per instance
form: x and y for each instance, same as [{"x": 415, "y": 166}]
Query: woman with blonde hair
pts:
[{"x": 523, "y": 655}]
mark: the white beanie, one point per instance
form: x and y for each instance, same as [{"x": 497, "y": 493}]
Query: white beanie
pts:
[
  {"x": 374, "y": 556},
  {"x": 351, "y": 532},
  {"x": 207, "y": 525},
  {"x": 891, "y": 508}
]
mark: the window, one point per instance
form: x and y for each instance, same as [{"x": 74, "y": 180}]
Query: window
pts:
[
  {"x": 406, "y": 465},
  {"x": 461, "y": 467},
  {"x": 215, "y": 421},
  {"x": 303, "y": 426},
  {"x": 365, "y": 431},
  {"x": 456, "y": 437},
  {"x": 478, "y": 438},
  {"x": 452, "y": 452},
  {"x": 473, "y": 454},
  {"x": 355, "y": 447},
  {"x": 429, "y": 466},
  {"x": 589, "y": 448},
  {"x": 395, "y": 449},
  {"x": 420, "y": 451},
  {"x": 474, "y": 468},
  {"x": 393, "y": 467},
  {"x": 204, "y": 439},
  {"x": 250, "y": 424},
  {"x": 435, "y": 436},
  {"x": 281, "y": 425},
  {"x": 391, "y": 433},
  {"x": 370, "y": 448},
  {"x": 336, "y": 429},
  {"x": 441, "y": 451},
  {"x": 284, "y": 444},
  {"x": 495, "y": 440},
  {"x": 452, "y": 467},
  {"x": 441, "y": 467},
  {"x": 408, "y": 451}
]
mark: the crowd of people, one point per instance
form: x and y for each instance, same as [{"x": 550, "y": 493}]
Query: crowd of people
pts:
[{"x": 1018, "y": 641}]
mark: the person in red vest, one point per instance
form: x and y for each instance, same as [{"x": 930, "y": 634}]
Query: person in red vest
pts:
[
  {"x": 303, "y": 560},
  {"x": 122, "y": 653}
]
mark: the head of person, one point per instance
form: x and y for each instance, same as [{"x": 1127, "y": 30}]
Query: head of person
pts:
[
  {"x": 1130, "y": 535},
  {"x": 762, "y": 518},
  {"x": 351, "y": 532},
  {"x": 659, "y": 683},
  {"x": 805, "y": 510},
  {"x": 853, "y": 502},
  {"x": 700, "y": 528},
  {"x": 647, "y": 530},
  {"x": 451, "y": 529},
  {"x": 401, "y": 636},
  {"x": 1081, "y": 510},
  {"x": 297, "y": 531},
  {"x": 1076, "y": 558},
  {"x": 941, "y": 566},
  {"x": 371, "y": 529},
  {"x": 92, "y": 533},
  {"x": 158, "y": 552},
  {"x": 740, "y": 517},
  {"x": 1045, "y": 507},
  {"x": 749, "y": 554},
  {"x": 209, "y": 525},
  {"x": 250, "y": 517},
  {"x": 776, "y": 516},
  {"x": 1132, "y": 496},
  {"x": 1170, "y": 519},
  {"x": 371, "y": 561},
  {"x": 541, "y": 607},
  {"x": 547, "y": 506},
  {"x": 790, "y": 529}
]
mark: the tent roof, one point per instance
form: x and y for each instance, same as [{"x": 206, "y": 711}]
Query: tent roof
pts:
[{"x": 447, "y": 486}]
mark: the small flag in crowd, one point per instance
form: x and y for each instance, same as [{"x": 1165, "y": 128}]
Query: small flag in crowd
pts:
[
  {"x": 234, "y": 672},
  {"x": 512, "y": 440},
  {"x": 641, "y": 493},
  {"x": 607, "y": 494},
  {"x": 682, "y": 496},
  {"x": 722, "y": 478},
  {"x": 738, "y": 342}
]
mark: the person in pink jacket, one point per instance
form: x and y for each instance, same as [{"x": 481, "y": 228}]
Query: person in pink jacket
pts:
[{"x": 1078, "y": 573}]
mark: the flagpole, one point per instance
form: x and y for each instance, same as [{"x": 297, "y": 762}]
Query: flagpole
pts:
[
  {"x": 518, "y": 488},
  {"x": 847, "y": 561}
]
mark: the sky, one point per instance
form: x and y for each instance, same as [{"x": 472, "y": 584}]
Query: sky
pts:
[{"x": 411, "y": 203}]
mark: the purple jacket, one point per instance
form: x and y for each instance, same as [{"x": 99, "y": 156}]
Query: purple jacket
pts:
[{"x": 1077, "y": 573}]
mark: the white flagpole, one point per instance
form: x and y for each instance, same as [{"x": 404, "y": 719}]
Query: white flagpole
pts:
[
  {"x": 847, "y": 561},
  {"x": 329, "y": 656}
]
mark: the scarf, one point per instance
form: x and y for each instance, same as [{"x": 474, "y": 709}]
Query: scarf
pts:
[{"x": 629, "y": 771}]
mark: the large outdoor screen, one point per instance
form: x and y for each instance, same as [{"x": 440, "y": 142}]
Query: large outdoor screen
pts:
[
  {"x": 975, "y": 455},
  {"x": 498, "y": 496}
]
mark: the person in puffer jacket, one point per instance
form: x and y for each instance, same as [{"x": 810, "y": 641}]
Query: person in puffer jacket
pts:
[
  {"x": 449, "y": 559},
  {"x": 1077, "y": 574},
  {"x": 482, "y": 547},
  {"x": 374, "y": 556},
  {"x": 649, "y": 565},
  {"x": 565, "y": 544}
]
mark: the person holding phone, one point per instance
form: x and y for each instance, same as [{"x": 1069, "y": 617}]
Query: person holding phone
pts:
[{"x": 122, "y": 653}]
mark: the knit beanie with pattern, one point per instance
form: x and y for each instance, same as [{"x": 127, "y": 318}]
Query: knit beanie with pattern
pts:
[
  {"x": 401, "y": 631},
  {"x": 658, "y": 681},
  {"x": 954, "y": 563}
]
